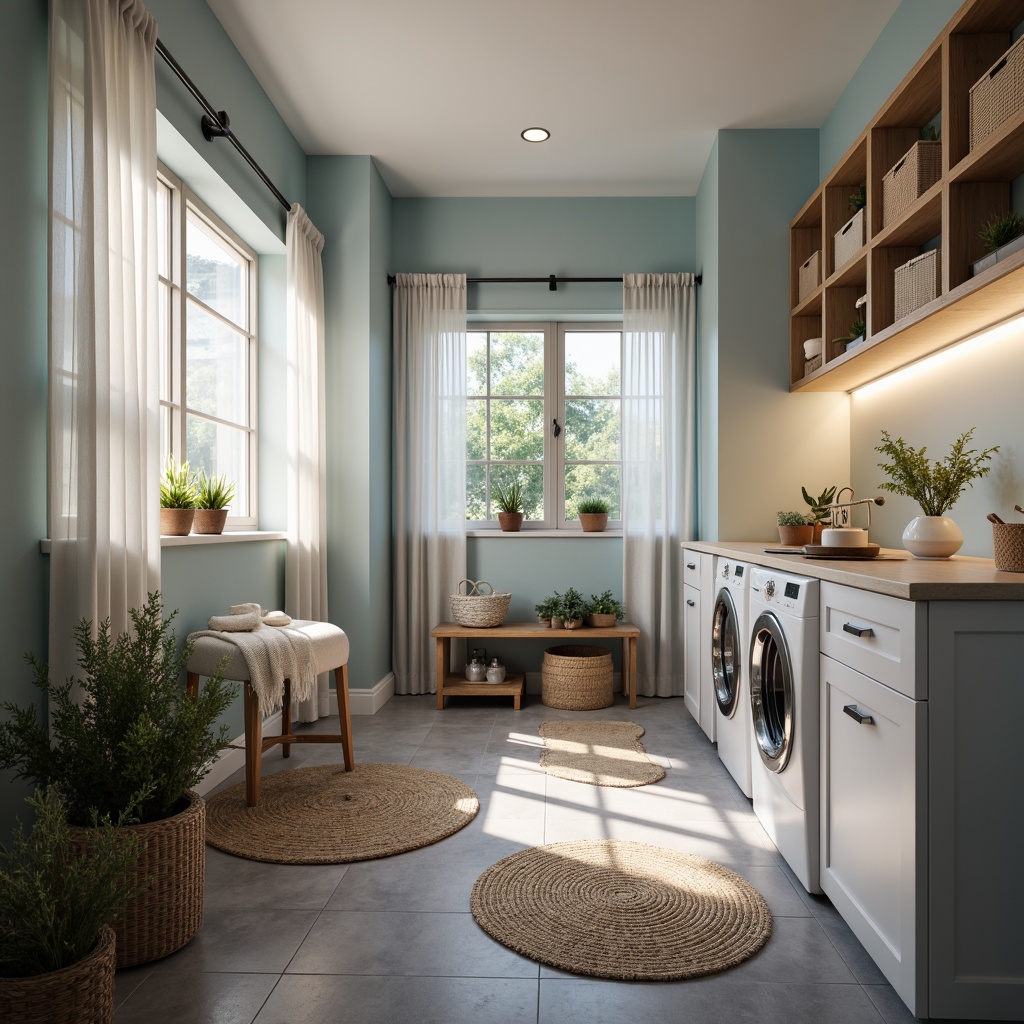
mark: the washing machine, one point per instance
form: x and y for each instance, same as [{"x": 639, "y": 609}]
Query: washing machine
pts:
[
  {"x": 784, "y": 701},
  {"x": 729, "y": 639}
]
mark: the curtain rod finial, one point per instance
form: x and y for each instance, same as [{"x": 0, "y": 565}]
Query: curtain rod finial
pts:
[{"x": 212, "y": 130}]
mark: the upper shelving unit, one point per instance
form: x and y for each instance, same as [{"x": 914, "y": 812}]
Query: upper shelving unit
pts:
[{"x": 937, "y": 208}]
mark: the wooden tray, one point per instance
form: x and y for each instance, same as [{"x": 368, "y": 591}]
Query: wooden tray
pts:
[{"x": 864, "y": 551}]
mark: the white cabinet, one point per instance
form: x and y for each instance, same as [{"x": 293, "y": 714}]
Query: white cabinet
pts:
[{"x": 699, "y": 599}]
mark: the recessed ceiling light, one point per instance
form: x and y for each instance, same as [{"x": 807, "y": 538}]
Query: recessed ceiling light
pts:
[{"x": 536, "y": 134}]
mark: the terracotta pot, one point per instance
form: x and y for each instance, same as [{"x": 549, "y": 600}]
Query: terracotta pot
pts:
[
  {"x": 176, "y": 522},
  {"x": 510, "y": 522},
  {"x": 795, "y": 536},
  {"x": 817, "y": 528},
  {"x": 593, "y": 522},
  {"x": 210, "y": 520}
]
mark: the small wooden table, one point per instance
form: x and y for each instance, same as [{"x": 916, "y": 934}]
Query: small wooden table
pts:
[{"x": 449, "y": 684}]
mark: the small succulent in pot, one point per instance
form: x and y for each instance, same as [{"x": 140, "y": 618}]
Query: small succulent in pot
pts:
[
  {"x": 509, "y": 499},
  {"x": 795, "y": 529},
  {"x": 213, "y": 496},
  {"x": 178, "y": 494},
  {"x": 593, "y": 514}
]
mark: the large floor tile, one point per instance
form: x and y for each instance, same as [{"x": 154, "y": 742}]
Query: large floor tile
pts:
[
  {"x": 209, "y": 997},
  {"x": 236, "y": 882}
]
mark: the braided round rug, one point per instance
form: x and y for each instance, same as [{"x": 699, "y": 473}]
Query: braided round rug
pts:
[
  {"x": 621, "y": 910},
  {"x": 325, "y": 815},
  {"x": 598, "y": 753}
]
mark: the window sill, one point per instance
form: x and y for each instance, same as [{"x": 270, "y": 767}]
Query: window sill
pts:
[
  {"x": 229, "y": 537},
  {"x": 560, "y": 534}
]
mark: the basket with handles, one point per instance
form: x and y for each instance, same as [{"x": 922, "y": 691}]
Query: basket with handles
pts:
[{"x": 477, "y": 608}]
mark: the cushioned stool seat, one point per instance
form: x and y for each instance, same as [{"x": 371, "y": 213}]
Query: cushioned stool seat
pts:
[{"x": 329, "y": 648}]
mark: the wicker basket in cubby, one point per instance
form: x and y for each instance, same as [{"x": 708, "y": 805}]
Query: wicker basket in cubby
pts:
[
  {"x": 849, "y": 239},
  {"x": 809, "y": 275},
  {"x": 910, "y": 177},
  {"x": 998, "y": 94},
  {"x": 918, "y": 281}
]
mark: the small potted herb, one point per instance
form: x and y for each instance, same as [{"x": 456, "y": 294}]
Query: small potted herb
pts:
[
  {"x": 794, "y": 530},
  {"x": 819, "y": 514},
  {"x": 546, "y": 610},
  {"x": 177, "y": 499},
  {"x": 572, "y": 606},
  {"x": 854, "y": 336},
  {"x": 213, "y": 496},
  {"x": 510, "y": 505},
  {"x": 604, "y": 610},
  {"x": 593, "y": 513},
  {"x": 1002, "y": 237}
]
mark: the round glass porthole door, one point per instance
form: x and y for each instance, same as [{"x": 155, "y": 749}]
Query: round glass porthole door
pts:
[
  {"x": 771, "y": 692},
  {"x": 726, "y": 653}
]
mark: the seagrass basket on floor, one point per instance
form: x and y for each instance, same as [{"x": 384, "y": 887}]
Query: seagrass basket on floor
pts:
[{"x": 577, "y": 678}]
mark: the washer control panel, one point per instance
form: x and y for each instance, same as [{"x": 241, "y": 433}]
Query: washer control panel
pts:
[
  {"x": 797, "y": 595},
  {"x": 732, "y": 574}
]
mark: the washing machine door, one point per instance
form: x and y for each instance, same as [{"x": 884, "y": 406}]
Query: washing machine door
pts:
[
  {"x": 771, "y": 691},
  {"x": 726, "y": 653}
]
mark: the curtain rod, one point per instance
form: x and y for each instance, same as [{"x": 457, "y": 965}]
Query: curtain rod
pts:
[
  {"x": 217, "y": 124},
  {"x": 552, "y": 281}
]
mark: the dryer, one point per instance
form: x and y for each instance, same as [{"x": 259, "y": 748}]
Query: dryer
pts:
[
  {"x": 784, "y": 706},
  {"x": 729, "y": 645}
]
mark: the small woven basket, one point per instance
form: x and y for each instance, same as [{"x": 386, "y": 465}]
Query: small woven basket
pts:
[
  {"x": 477, "y": 609},
  {"x": 918, "y": 281},
  {"x": 808, "y": 276},
  {"x": 1008, "y": 546},
  {"x": 849, "y": 239},
  {"x": 577, "y": 678},
  {"x": 998, "y": 94},
  {"x": 909, "y": 178}
]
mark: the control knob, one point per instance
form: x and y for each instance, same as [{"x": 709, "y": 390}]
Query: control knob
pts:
[{"x": 769, "y": 588}]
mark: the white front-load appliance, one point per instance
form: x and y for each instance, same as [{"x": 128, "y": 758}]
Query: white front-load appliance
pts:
[
  {"x": 784, "y": 715},
  {"x": 729, "y": 646}
]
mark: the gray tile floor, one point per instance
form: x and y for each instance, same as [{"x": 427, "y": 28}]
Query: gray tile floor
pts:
[{"x": 393, "y": 940}]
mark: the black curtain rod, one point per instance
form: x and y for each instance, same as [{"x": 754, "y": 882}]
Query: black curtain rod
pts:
[
  {"x": 217, "y": 124},
  {"x": 552, "y": 281}
]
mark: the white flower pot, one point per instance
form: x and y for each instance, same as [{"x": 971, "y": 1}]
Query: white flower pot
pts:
[{"x": 932, "y": 537}]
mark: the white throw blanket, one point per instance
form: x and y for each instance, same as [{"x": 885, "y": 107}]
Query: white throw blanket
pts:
[{"x": 273, "y": 654}]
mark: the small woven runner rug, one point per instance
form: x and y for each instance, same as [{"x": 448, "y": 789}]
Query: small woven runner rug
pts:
[
  {"x": 629, "y": 911},
  {"x": 325, "y": 815},
  {"x": 600, "y": 753}
]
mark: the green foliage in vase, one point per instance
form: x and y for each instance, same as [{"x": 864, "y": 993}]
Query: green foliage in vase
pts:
[
  {"x": 213, "y": 491},
  {"x": 859, "y": 199},
  {"x": 935, "y": 486},
  {"x": 605, "y": 604},
  {"x": 793, "y": 519},
  {"x": 55, "y": 897},
  {"x": 137, "y": 741},
  {"x": 509, "y": 498},
  {"x": 819, "y": 512},
  {"x": 999, "y": 230},
  {"x": 593, "y": 506},
  {"x": 177, "y": 486}
]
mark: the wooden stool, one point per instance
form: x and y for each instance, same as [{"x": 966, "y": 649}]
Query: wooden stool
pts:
[{"x": 330, "y": 652}]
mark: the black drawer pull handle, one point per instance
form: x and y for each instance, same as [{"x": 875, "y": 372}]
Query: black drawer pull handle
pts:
[
  {"x": 858, "y": 716},
  {"x": 849, "y": 627},
  {"x": 690, "y": 602},
  {"x": 691, "y": 565}
]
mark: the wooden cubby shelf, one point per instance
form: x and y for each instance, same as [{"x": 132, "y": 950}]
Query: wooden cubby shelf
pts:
[{"x": 974, "y": 186}]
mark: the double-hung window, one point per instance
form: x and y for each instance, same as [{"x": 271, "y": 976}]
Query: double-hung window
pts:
[
  {"x": 545, "y": 410},
  {"x": 208, "y": 344}
]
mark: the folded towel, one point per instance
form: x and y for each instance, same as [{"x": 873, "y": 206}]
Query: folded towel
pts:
[
  {"x": 276, "y": 618},
  {"x": 241, "y": 609},
  {"x": 234, "y": 623}
]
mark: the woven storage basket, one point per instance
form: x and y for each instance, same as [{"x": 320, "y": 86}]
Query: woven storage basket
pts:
[
  {"x": 849, "y": 239},
  {"x": 80, "y": 994},
  {"x": 910, "y": 177},
  {"x": 1008, "y": 546},
  {"x": 810, "y": 365},
  {"x": 577, "y": 678},
  {"x": 917, "y": 282},
  {"x": 998, "y": 94},
  {"x": 169, "y": 911},
  {"x": 809, "y": 276},
  {"x": 477, "y": 609}
]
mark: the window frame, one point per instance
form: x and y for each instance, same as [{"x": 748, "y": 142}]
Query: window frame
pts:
[{"x": 184, "y": 200}]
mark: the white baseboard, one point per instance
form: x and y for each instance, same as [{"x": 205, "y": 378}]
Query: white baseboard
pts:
[{"x": 367, "y": 701}]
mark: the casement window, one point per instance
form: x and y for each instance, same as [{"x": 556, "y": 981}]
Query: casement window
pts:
[
  {"x": 544, "y": 409},
  {"x": 208, "y": 344}
]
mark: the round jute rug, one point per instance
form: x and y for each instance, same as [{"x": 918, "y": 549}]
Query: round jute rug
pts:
[
  {"x": 622, "y": 910},
  {"x": 598, "y": 753},
  {"x": 325, "y": 815}
]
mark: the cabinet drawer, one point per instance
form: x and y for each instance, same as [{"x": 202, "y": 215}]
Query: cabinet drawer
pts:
[
  {"x": 692, "y": 563},
  {"x": 875, "y": 634}
]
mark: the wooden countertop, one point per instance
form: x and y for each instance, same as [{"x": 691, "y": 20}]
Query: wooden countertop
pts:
[{"x": 960, "y": 578}]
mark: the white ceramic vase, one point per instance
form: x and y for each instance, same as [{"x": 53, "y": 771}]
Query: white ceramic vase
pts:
[{"x": 932, "y": 537}]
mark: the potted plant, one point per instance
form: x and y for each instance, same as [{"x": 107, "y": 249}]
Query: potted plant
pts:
[
  {"x": 795, "y": 530},
  {"x": 213, "y": 496},
  {"x": 571, "y": 608},
  {"x": 859, "y": 199},
  {"x": 819, "y": 514},
  {"x": 546, "y": 610},
  {"x": 854, "y": 336},
  {"x": 604, "y": 610},
  {"x": 593, "y": 513},
  {"x": 57, "y": 904},
  {"x": 1002, "y": 236},
  {"x": 177, "y": 499},
  {"x": 935, "y": 486},
  {"x": 136, "y": 743},
  {"x": 510, "y": 505}
]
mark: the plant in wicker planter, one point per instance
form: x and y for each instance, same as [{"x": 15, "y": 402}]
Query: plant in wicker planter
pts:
[
  {"x": 795, "y": 530},
  {"x": 57, "y": 902},
  {"x": 604, "y": 610},
  {"x": 572, "y": 606},
  {"x": 546, "y": 609},
  {"x": 593, "y": 513},
  {"x": 135, "y": 745},
  {"x": 510, "y": 505},
  {"x": 177, "y": 499},
  {"x": 213, "y": 496}
]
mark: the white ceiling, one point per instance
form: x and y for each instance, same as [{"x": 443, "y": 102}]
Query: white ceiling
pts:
[{"x": 632, "y": 91}]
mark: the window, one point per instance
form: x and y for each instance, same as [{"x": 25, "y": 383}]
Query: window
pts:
[
  {"x": 208, "y": 344},
  {"x": 545, "y": 408}
]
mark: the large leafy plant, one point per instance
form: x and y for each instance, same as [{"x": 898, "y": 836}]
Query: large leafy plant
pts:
[
  {"x": 935, "y": 486},
  {"x": 136, "y": 741}
]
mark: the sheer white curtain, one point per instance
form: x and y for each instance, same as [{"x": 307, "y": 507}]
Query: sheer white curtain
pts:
[
  {"x": 430, "y": 466},
  {"x": 306, "y": 559},
  {"x": 104, "y": 398},
  {"x": 658, "y": 467}
]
